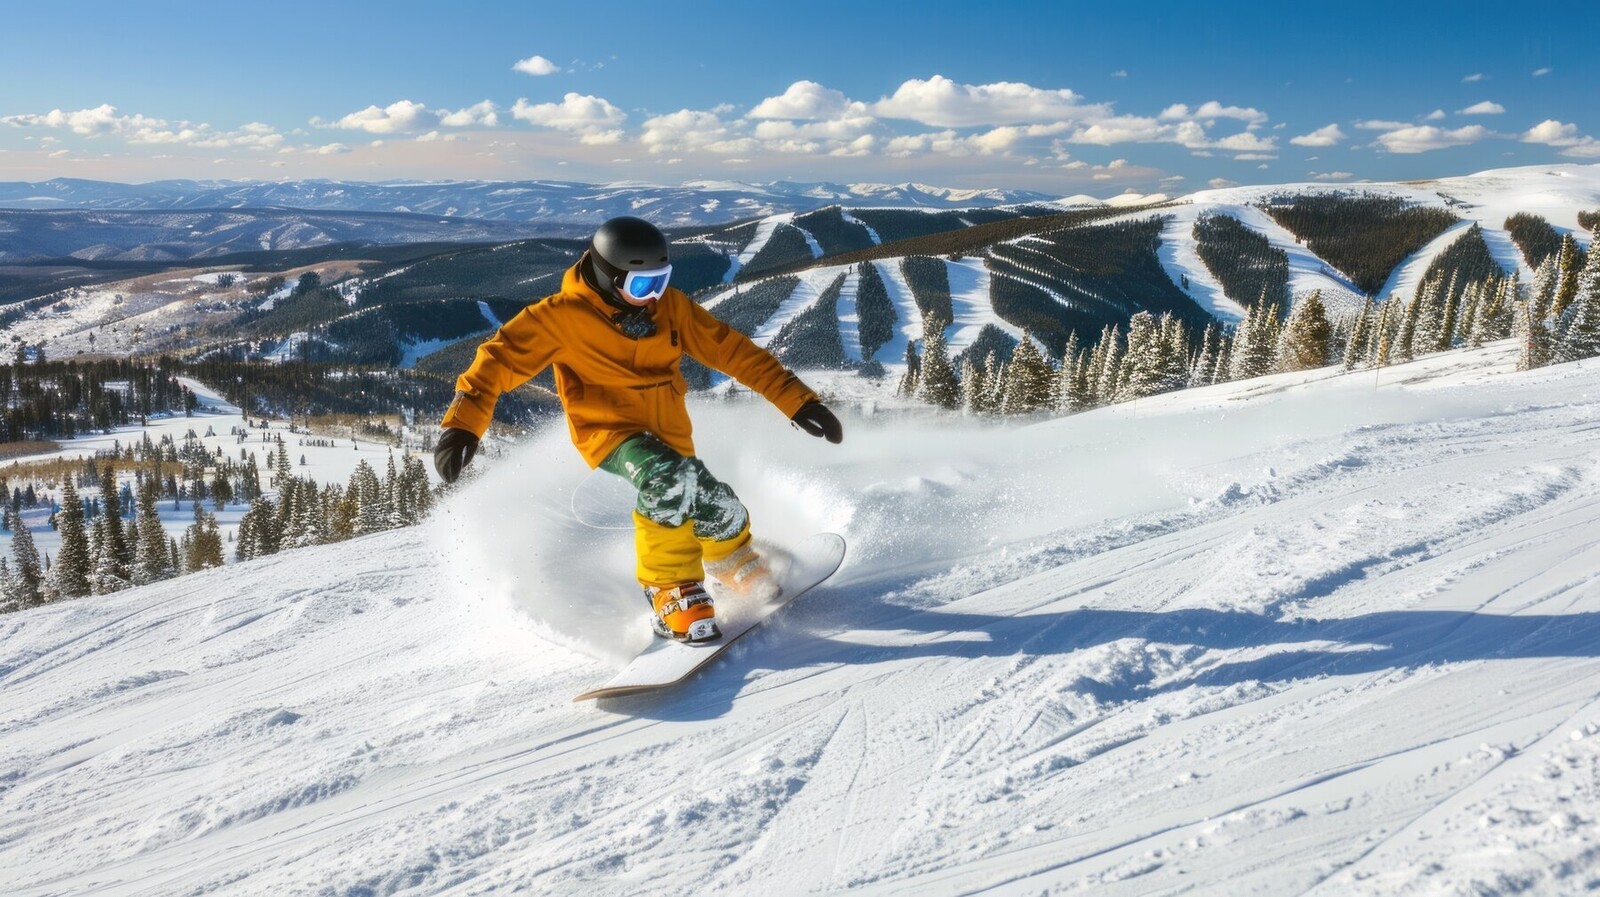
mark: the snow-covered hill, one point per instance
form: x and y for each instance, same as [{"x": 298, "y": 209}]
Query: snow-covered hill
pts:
[{"x": 1307, "y": 634}]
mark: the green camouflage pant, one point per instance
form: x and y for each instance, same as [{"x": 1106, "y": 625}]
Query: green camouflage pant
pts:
[{"x": 674, "y": 489}]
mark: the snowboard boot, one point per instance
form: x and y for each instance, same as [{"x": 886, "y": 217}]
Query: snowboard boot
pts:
[
  {"x": 745, "y": 573},
  {"x": 683, "y": 612}
]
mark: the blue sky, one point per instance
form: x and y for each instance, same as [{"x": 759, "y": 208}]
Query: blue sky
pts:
[{"x": 1062, "y": 97}]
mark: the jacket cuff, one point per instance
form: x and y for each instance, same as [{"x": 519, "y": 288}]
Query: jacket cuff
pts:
[{"x": 469, "y": 412}]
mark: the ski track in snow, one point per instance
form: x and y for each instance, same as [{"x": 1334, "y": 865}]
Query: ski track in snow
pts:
[{"x": 1307, "y": 634}]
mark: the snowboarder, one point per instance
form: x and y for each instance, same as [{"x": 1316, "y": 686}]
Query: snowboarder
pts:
[{"x": 615, "y": 333}]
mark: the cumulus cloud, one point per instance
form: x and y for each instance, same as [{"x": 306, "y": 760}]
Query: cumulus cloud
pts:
[
  {"x": 807, "y": 100},
  {"x": 1560, "y": 134},
  {"x": 1381, "y": 124},
  {"x": 1219, "y": 183},
  {"x": 1212, "y": 110},
  {"x": 535, "y": 65},
  {"x": 691, "y": 129},
  {"x": 332, "y": 149},
  {"x": 1326, "y": 136},
  {"x": 141, "y": 130},
  {"x": 1426, "y": 138},
  {"x": 401, "y": 117},
  {"x": 595, "y": 119},
  {"x": 1330, "y": 175},
  {"x": 1484, "y": 108},
  {"x": 943, "y": 103},
  {"x": 1435, "y": 115},
  {"x": 482, "y": 115}
]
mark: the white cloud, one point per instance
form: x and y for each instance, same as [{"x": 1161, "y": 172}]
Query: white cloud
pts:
[
  {"x": 1486, "y": 107},
  {"x": 1330, "y": 175},
  {"x": 399, "y": 117},
  {"x": 482, "y": 115},
  {"x": 1326, "y": 136},
  {"x": 1219, "y": 183},
  {"x": 1474, "y": 78},
  {"x": 1254, "y": 157},
  {"x": 536, "y": 65},
  {"x": 690, "y": 129},
  {"x": 1541, "y": 72},
  {"x": 331, "y": 149},
  {"x": 941, "y": 102},
  {"x": 576, "y": 112},
  {"x": 1426, "y": 138},
  {"x": 1554, "y": 133},
  {"x": 141, "y": 130},
  {"x": 1212, "y": 110},
  {"x": 1120, "y": 73},
  {"x": 1381, "y": 124},
  {"x": 808, "y": 100},
  {"x": 1435, "y": 115}
]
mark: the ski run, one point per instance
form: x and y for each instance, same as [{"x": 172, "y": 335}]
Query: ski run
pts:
[{"x": 1315, "y": 633}]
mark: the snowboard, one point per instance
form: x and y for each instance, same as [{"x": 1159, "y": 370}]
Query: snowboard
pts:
[{"x": 667, "y": 663}]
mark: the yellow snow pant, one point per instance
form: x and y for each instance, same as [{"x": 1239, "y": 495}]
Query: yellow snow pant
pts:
[{"x": 684, "y": 516}]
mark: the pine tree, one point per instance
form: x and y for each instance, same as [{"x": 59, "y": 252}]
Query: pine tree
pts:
[
  {"x": 1255, "y": 345},
  {"x": 1142, "y": 366},
  {"x": 1568, "y": 265},
  {"x": 1306, "y": 336},
  {"x": 1027, "y": 383},
  {"x": 1355, "y": 351},
  {"x": 1175, "y": 360},
  {"x": 10, "y": 588},
  {"x": 1533, "y": 331},
  {"x": 1580, "y": 332},
  {"x": 1108, "y": 384},
  {"x": 111, "y": 506},
  {"x": 1205, "y": 365},
  {"x": 939, "y": 384},
  {"x": 30, "y": 572},
  {"x": 106, "y": 577},
  {"x": 152, "y": 560},
  {"x": 1403, "y": 348},
  {"x": 72, "y": 568}
]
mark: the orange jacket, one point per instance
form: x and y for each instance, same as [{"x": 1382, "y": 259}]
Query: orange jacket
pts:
[{"x": 613, "y": 387}]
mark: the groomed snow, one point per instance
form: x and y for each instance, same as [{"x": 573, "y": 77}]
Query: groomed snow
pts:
[{"x": 1307, "y": 634}]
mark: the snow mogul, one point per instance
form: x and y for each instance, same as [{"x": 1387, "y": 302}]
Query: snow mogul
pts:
[{"x": 615, "y": 333}]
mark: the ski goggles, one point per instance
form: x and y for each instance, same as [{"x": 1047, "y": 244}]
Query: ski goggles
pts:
[{"x": 640, "y": 287}]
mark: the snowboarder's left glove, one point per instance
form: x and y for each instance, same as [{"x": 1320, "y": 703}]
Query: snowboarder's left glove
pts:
[
  {"x": 816, "y": 419},
  {"x": 455, "y": 451}
]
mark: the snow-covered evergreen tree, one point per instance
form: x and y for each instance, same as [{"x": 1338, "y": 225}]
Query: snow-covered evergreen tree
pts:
[
  {"x": 939, "y": 385},
  {"x": 1206, "y": 362},
  {"x": 911, "y": 380},
  {"x": 1535, "y": 341},
  {"x": 1307, "y": 336},
  {"x": 1255, "y": 345},
  {"x": 1108, "y": 383},
  {"x": 1142, "y": 364},
  {"x": 29, "y": 571},
  {"x": 1357, "y": 347},
  {"x": 1569, "y": 264},
  {"x": 70, "y": 575},
  {"x": 152, "y": 558},
  {"x": 1580, "y": 330},
  {"x": 1027, "y": 382}
]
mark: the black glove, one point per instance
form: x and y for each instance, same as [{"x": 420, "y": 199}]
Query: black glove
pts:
[
  {"x": 455, "y": 451},
  {"x": 815, "y": 418}
]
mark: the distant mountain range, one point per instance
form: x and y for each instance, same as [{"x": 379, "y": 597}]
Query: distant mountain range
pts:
[{"x": 694, "y": 203}]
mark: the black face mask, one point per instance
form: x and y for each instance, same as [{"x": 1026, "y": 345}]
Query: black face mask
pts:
[{"x": 635, "y": 324}]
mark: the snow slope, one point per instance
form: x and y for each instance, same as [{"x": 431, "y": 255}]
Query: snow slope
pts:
[{"x": 1307, "y": 634}]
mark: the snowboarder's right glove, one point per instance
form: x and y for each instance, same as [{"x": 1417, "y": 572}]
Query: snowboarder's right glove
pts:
[
  {"x": 455, "y": 451},
  {"x": 815, "y": 418}
]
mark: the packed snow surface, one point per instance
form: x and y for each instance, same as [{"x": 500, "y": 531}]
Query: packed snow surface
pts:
[{"x": 1308, "y": 634}]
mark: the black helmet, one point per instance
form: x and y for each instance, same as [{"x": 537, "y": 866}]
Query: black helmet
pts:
[
  {"x": 630, "y": 244},
  {"x": 626, "y": 244}
]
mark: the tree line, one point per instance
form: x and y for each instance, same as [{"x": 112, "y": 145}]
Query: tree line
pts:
[{"x": 1555, "y": 320}]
